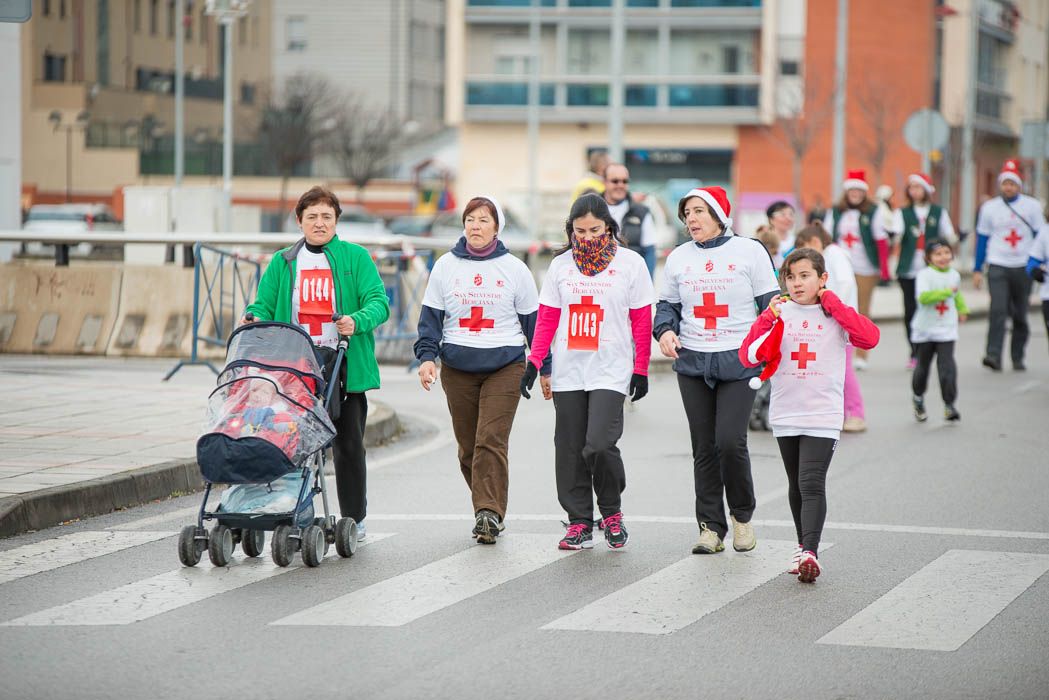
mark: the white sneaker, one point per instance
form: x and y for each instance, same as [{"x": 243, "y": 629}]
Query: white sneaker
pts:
[
  {"x": 794, "y": 561},
  {"x": 362, "y": 530},
  {"x": 854, "y": 424},
  {"x": 743, "y": 539},
  {"x": 808, "y": 567},
  {"x": 859, "y": 364}
]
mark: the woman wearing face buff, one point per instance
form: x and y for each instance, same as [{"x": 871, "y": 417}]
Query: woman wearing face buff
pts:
[
  {"x": 595, "y": 316},
  {"x": 713, "y": 287},
  {"x": 478, "y": 313}
]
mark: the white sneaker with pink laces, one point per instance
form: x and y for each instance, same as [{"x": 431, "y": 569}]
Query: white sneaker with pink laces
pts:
[{"x": 794, "y": 561}]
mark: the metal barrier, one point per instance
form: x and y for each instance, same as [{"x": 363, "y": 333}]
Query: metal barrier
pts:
[
  {"x": 404, "y": 274},
  {"x": 229, "y": 274}
]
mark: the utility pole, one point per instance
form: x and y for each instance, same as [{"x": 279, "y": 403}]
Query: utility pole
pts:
[
  {"x": 180, "y": 90},
  {"x": 840, "y": 76},
  {"x": 615, "y": 98},
  {"x": 967, "y": 212},
  {"x": 534, "y": 49},
  {"x": 227, "y": 12}
]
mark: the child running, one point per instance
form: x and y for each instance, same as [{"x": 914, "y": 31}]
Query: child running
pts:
[
  {"x": 811, "y": 327},
  {"x": 934, "y": 329}
]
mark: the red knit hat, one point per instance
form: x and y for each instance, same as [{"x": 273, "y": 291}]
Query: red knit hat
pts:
[
  {"x": 856, "y": 180},
  {"x": 770, "y": 353},
  {"x": 715, "y": 197},
  {"x": 922, "y": 179},
  {"x": 1010, "y": 171}
]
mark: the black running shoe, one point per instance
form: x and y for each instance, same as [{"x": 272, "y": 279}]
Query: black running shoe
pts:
[
  {"x": 1019, "y": 366},
  {"x": 615, "y": 533},
  {"x": 578, "y": 536},
  {"x": 993, "y": 362},
  {"x": 487, "y": 526},
  {"x": 951, "y": 413},
  {"x": 919, "y": 409}
]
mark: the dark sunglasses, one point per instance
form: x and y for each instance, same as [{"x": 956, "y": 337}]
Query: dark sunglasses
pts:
[{"x": 620, "y": 182}]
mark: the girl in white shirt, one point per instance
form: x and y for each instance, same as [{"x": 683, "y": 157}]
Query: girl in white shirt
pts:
[{"x": 802, "y": 339}]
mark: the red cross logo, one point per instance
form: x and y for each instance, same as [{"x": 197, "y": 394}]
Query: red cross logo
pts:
[
  {"x": 1013, "y": 238},
  {"x": 477, "y": 322},
  {"x": 921, "y": 242},
  {"x": 850, "y": 239},
  {"x": 584, "y": 324},
  {"x": 802, "y": 356},
  {"x": 710, "y": 311},
  {"x": 942, "y": 307}
]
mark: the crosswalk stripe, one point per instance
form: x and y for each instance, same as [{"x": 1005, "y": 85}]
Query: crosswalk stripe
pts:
[
  {"x": 73, "y": 548},
  {"x": 417, "y": 593},
  {"x": 943, "y": 604},
  {"x": 141, "y": 600},
  {"x": 682, "y": 593}
]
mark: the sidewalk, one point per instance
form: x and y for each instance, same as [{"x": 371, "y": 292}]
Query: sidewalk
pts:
[{"x": 85, "y": 436}]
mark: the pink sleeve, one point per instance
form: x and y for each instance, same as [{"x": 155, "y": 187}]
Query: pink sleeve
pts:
[
  {"x": 863, "y": 333},
  {"x": 641, "y": 326},
  {"x": 883, "y": 258},
  {"x": 762, "y": 325},
  {"x": 545, "y": 328}
]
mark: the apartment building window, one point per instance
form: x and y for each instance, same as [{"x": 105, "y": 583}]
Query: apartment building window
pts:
[
  {"x": 136, "y": 15},
  {"x": 789, "y": 68},
  {"x": 47, "y": 8},
  {"x": 61, "y": 9},
  {"x": 642, "y": 3},
  {"x": 102, "y": 57},
  {"x": 254, "y": 32},
  {"x": 242, "y": 31},
  {"x": 715, "y": 3},
  {"x": 509, "y": 3},
  {"x": 54, "y": 68},
  {"x": 699, "y": 52},
  {"x": 247, "y": 93},
  {"x": 171, "y": 19},
  {"x": 588, "y": 52},
  {"x": 295, "y": 33},
  {"x": 641, "y": 52},
  {"x": 589, "y": 3},
  {"x": 187, "y": 20},
  {"x": 154, "y": 7},
  {"x": 203, "y": 25}
]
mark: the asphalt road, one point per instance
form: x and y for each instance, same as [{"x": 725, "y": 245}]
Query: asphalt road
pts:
[{"x": 935, "y": 583}]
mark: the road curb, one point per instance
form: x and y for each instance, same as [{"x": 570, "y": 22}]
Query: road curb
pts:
[{"x": 47, "y": 507}]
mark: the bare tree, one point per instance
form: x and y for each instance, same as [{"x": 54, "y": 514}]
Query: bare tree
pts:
[
  {"x": 364, "y": 139},
  {"x": 801, "y": 116},
  {"x": 881, "y": 116},
  {"x": 295, "y": 123}
]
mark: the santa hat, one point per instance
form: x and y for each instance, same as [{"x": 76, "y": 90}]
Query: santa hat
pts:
[
  {"x": 1010, "y": 171},
  {"x": 922, "y": 179},
  {"x": 856, "y": 180},
  {"x": 716, "y": 199},
  {"x": 769, "y": 352}
]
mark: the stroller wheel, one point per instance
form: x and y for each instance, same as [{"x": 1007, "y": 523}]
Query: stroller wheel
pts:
[
  {"x": 189, "y": 549},
  {"x": 220, "y": 545},
  {"x": 252, "y": 542},
  {"x": 281, "y": 547},
  {"x": 313, "y": 546},
  {"x": 346, "y": 537}
]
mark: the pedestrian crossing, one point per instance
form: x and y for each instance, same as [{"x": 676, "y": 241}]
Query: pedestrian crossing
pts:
[{"x": 940, "y": 606}]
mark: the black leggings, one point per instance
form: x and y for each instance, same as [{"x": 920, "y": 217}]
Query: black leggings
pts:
[
  {"x": 945, "y": 367},
  {"x": 351, "y": 471},
  {"x": 910, "y": 306},
  {"x": 806, "y": 460},
  {"x": 1045, "y": 312}
]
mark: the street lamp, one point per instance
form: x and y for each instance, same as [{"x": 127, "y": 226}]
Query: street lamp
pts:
[
  {"x": 227, "y": 12},
  {"x": 82, "y": 118}
]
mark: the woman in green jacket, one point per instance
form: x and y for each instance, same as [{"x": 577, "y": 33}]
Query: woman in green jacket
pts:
[{"x": 306, "y": 284}]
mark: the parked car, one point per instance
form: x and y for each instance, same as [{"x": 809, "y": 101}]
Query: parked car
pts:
[
  {"x": 76, "y": 219},
  {"x": 358, "y": 221},
  {"x": 449, "y": 224}
]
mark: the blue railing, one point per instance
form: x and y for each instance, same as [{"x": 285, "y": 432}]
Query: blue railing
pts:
[{"x": 506, "y": 94}]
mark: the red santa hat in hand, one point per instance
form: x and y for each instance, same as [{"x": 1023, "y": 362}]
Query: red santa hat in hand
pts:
[
  {"x": 716, "y": 199},
  {"x": 922, "y": 179},
  {"x": 856, "y": 180},
  {"x": 769, "y": 351},
  {"x": 1010, "y": 171}
]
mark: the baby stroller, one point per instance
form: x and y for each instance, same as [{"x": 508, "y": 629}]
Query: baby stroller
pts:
[{"x": 266, "y": 434}]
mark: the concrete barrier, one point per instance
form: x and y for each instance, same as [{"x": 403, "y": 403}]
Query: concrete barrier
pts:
[
  {"x": 58, "y": 310},
  {"x": 155, "y": 313}
]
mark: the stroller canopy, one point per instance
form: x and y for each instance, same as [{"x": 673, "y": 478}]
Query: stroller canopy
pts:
[{"x": 275, "y": 345}]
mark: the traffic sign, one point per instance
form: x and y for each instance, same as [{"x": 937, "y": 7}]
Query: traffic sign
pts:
[
  {"x": 1034, "y": 140},
  {"x": 16, "y": 10},
  {"x": 926, "y": 130}
]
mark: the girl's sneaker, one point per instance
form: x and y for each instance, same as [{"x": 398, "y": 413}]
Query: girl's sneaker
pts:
[
  {"x": 615, "y": 533},
  {"x": 808, "y": 567},
  {"x": 578, "y": 536},
  {"x": 919, "y": 409},
  {"x": 912, "y": 363},
  {"x": 794, "y": 561}
]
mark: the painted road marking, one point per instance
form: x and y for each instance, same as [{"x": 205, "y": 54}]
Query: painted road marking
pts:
[
  {"x": 682, "y": 593},
  {"x": 943, "y": 604},
  {"x": 73, "y": 548},
  {"x": 141, "y": 600},
  {"x": 405, "y": 598}
]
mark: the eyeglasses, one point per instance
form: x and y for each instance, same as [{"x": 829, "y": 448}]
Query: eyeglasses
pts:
[{"x": 619, "y": 182}]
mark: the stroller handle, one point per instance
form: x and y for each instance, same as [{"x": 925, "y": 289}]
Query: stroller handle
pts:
[{"x": 344, "y": 343}]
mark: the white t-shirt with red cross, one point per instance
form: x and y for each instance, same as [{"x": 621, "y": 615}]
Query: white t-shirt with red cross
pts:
[
  {"x": 937, "y": 322},
  {"x": 808, "y": 386},
  {"x": 716, "y": 288},
  {"x": 313, "y": 300},
  {"x": 850, "y": 239},
  {"x": 1010, "y": 238},
  {"x": 481, "y": 299},
  {"x": 944, "y": 229},
  {"x": 1040, "y": 251},
  {"x": 594, "y": 344}
]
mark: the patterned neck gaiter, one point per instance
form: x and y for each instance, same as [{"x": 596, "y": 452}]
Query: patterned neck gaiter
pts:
[{"x": 593, "y": 256}]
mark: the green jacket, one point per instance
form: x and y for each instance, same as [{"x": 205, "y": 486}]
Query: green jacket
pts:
[{"x": 359, "y": 293}]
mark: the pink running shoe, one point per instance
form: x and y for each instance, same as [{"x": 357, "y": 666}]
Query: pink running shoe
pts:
[
  {"x": 808, "y": 567},
  {"x": 615, "y": 531},
  {"x": 794, "y": 561},
  {"x": 578, "y": 536}
]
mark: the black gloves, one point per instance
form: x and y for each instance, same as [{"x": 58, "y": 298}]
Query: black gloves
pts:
[
  {"x": 1038, "y": 274},
  {"x": 638, "y": 387},
  {"x": 528, "y": 379}
]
